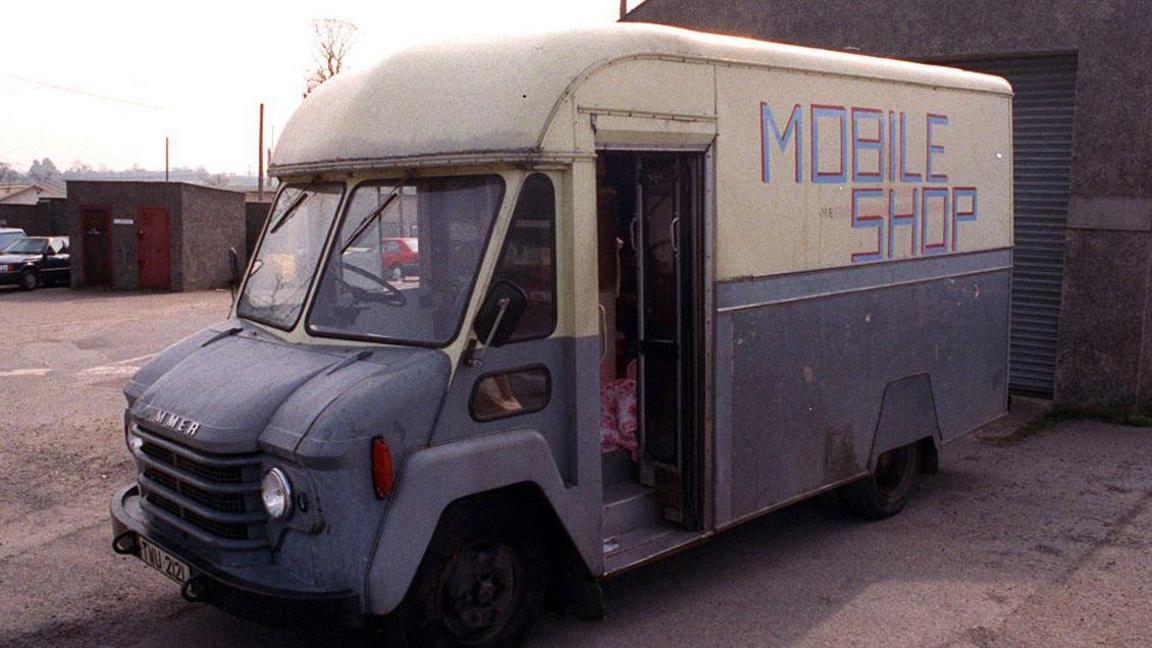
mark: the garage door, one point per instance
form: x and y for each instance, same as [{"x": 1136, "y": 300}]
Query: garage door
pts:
[{"x": 1043, "y": 112}]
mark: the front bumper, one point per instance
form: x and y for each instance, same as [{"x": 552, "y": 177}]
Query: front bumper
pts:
[
  {"x": 262, "y": 592},
  {"x": 9, "y": 278}
]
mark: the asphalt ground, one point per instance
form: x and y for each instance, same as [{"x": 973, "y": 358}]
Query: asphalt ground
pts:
[{"x": 1037, "y": 541}]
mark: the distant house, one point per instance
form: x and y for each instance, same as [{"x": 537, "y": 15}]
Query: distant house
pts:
[
  {"x": 36, "y": 207},
  {"x": 31, "y": 193}
]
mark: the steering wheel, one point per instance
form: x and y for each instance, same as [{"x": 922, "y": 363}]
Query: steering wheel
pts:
[{"x": 394, "y": 297}]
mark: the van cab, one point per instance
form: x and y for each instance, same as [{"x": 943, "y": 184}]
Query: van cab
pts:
[{"x": 664, "y": 283}]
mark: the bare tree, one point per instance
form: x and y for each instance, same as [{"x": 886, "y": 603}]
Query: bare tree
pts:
[{"x": 333, "y": 41}]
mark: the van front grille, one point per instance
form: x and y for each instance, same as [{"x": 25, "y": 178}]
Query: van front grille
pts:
[{"x": 213, "y": 497}]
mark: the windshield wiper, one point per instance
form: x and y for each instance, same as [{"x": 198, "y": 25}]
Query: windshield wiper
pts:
[
  {"x": 304, "y": 195},
  {"x": 373, "y": 215}
]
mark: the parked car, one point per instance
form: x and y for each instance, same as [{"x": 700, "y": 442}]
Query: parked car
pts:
[
  {"x": 10, "y": 234},
  {"x": 401, "y": 257},
  {"x": 34, "y": 261}
]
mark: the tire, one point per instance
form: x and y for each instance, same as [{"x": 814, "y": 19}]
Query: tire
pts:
[
  {"x": 482, "y": 583},
  {"x": 29, "y": 280},
  {"x": 397, "y": 273},
  {"x": 885, "y": 492}
]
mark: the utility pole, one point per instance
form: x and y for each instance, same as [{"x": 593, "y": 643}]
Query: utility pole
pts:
[
  {"x": 165, "y": 159},
  {"x": 260, "y": 157}
]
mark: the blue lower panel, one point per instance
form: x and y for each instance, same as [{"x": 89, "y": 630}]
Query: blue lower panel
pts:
[{"x": 808, "y": 375}]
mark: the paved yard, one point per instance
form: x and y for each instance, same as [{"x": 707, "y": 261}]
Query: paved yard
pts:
[{"x": 1043, "y": 542}]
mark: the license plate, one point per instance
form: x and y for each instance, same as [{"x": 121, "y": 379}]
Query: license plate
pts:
[{"x": 163, "y": 562}]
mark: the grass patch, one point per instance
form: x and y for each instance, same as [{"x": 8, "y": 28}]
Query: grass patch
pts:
[{"x": 1062, "y": 414}]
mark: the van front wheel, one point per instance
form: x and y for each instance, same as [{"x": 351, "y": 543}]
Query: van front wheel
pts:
[
  {"x": 885, "y": 492},
  {"x": 481, "y": 583}
]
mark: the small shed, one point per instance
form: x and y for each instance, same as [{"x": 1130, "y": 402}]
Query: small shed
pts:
[{"x": 154, "y": 235}]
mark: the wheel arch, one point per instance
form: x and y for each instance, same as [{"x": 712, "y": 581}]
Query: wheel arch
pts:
[
  {"x": 907, "y": 416},
  {"x": 513, "y": 469}
]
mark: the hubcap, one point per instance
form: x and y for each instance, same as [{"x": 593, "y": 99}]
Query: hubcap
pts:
[
  {"x": 479, "y": 591},
  {"x": 890, "y": 470}
]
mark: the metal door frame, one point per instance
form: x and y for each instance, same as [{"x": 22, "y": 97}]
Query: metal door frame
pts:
[
  {"x": 83, "y": 213},
  {"x": 695, "y": 463}
]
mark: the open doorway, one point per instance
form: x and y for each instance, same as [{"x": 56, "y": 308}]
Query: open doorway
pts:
[
  {"x": 649, "y": 225},
  {"x": 96, "y": 245}
]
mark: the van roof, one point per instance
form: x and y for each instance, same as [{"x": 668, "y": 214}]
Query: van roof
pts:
[{"x": 436, "y": 102}]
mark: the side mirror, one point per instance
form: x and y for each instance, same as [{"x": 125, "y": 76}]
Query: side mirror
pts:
[
  {"x": 500, "y": 313},
  {"x": 234, "y": 270}
]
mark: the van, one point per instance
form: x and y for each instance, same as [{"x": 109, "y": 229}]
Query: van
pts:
[
  {"x": 667, "y": 282},
  {"x": 8, "y": 235}
]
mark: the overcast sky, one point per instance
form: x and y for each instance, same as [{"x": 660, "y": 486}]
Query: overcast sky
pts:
[{"x": 104, "y": 82}]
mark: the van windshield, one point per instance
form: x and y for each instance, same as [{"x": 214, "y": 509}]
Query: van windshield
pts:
[
  {"x": 279, "y": 278},
  {"x": 405, "y": 259}
]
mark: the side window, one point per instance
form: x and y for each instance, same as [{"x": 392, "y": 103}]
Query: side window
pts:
[
  {"x": 528, "y": 259},
  {"x": 520, "y": 391}
]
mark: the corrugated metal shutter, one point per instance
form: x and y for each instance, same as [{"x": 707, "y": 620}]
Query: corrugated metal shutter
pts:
[{"x": 1043, "y": 111}]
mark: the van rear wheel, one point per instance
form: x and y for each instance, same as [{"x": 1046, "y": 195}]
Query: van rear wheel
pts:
[
  {"x": 481, "y": 583},
  {"x": 885, "y": 492}
]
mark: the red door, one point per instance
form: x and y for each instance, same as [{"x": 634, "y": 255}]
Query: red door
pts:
[
  {"x": 153, "y": 248},
  {"x": 96, "y": 242}
]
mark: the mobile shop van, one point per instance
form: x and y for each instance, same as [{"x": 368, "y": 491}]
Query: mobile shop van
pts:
[{"x": 667, "y": 282}]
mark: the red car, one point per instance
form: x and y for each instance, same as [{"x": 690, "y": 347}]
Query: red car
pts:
[{"x": 401, "y": 257}]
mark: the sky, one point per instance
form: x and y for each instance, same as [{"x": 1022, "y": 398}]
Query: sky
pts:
[{"x": 104, "y": 83}]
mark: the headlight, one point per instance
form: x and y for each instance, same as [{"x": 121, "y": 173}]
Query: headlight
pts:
[
  {"x": 276, "y": 492},
  {"x": 135, "y": 443}
]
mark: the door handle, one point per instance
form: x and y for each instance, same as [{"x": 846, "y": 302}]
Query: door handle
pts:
[
  {"x": 674, "y": 235},
  {"x": 634, "y": 234}
]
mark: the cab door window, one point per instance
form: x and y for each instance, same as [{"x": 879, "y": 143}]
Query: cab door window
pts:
[{"x": 528, "y": 259}]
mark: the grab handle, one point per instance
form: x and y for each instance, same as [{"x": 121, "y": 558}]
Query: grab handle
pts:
[{"x": 603, "y": 333}]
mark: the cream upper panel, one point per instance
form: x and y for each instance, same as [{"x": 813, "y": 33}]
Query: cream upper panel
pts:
[
  {"x": 501, "y": 95},
  {"x": 651, "y": 86},
  {"x": 638, "y": 102},
  {"x": 819, "y": 171}
]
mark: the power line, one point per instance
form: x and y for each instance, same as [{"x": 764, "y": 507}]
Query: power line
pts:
[{"x": 86, "y": 93}]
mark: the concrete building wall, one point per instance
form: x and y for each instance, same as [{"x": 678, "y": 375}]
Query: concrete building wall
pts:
[
  {"x": 212, "y": 221},
  {"x": 1104, "y": 355},
  {"x": 255, "y": 213},
  {"x": 45, "y": 218}
]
